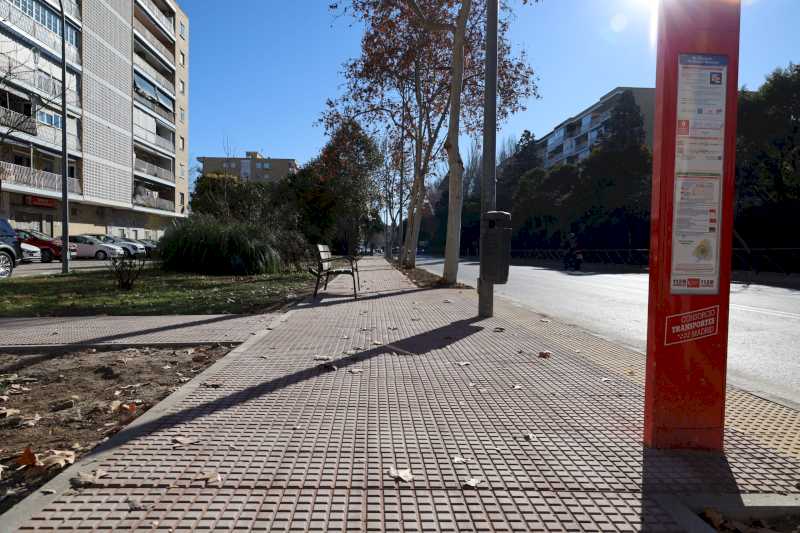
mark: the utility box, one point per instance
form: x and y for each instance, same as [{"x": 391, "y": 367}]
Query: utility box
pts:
[{"x": 496, "y": 246}]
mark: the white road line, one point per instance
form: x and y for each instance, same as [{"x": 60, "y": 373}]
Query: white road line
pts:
[{"x": 782, "y": 314}]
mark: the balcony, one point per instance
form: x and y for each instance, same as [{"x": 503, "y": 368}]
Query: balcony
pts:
[
  {"x": 52, "y": 40},
  {"x": 152, "y": 106},
  {"x": 15, "y": 72},
  {"x": 70, "y": 8},
  {"x": 153, "y": 73},
  {"x": 153, "y": 202},
  {"x": 166, "y": 22},
  {"x": 154, "y": 42},
  {"x": 53, "y": 136},
  {"x": 37, "y": 179},
  {"x": 151, "y": 169},
  {"x": 17, "y": 121}
]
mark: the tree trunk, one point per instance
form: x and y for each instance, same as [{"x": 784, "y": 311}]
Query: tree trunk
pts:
[{"x": 456, "y": 165}]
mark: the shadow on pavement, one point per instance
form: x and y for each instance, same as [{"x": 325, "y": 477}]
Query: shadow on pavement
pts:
[{"x": 417, "y": 345}]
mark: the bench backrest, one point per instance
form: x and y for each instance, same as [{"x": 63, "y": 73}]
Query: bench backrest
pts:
[{"x": 324, "y": 252}]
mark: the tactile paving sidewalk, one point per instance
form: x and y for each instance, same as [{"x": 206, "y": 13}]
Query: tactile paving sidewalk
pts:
[
  {"x": 130, "y": 329},
  {"x": 305, "y": 444}
]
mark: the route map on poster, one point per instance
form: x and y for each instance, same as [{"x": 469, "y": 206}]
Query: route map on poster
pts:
[{"x": 699, "y": 156}]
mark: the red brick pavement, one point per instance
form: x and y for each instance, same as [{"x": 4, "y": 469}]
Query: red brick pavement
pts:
[{"x": 306, "y": 444}]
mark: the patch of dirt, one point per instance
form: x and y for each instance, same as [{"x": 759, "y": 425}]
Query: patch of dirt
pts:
[
  {"x": 777, "y": 524},
  {"x": 57, "y": 406},
  {"x": 426, "y": 280}
]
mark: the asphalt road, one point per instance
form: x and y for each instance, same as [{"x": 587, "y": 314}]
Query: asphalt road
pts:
[
  {"x": 764, "y": 339},
  {"x": 54, "y": 267}
]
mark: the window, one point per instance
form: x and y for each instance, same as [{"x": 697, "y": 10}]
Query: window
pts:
[
  {"x": 47, "y": 17},
  {"x": 182, "y": 143},
  {"x": 183, "y": 30},
  {"x": 183, "y": 115},
  {"x": 51, "y": 119},
  {"x": 183, "y": 170},
  {"x": 182, "y": 58},
  {"x": 182, "y": 86},
  {"x": 182, "y": 199}
]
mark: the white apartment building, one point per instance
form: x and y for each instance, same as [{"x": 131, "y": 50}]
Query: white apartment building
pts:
[
  {"x": 127, "y": 115},
  {"x": 572, "y": 140}
]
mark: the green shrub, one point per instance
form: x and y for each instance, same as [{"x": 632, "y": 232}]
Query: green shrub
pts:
[{"x": 206, "y": 245}]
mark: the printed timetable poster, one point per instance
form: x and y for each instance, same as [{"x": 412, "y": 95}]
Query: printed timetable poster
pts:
[{"x": 699, "y": 157}]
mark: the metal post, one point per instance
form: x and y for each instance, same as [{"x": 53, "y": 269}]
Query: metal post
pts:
[
  {"x": 488, "y": 199},
  {"x": 64, "y": 152}
]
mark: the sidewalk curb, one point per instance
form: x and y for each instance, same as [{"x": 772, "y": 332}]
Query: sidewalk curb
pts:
[{"x": 25, "y": 509}]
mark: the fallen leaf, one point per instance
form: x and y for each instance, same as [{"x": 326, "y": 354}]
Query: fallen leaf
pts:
[
  {"x": 377, "y": 343},
  {"x": 60, "y": 458},
  {"x": 517, "y": 387},
  {"x": 211, "y": 478},
  {"x": 499, "y": 329},
  {"x": 165, "y": 367},
  {"x": 332, "y": 367},
  {"x": 605, "y": 380},
  {"x": 3, "y": 398},
  {"x": 322, "y": 358},
  {"x": 403, "y": 474},
  {"x": 183, "y": 441},
  {"x": 447, "y": 301},
  {"x": 356, "y": 370},
  {"x": 2, "y": 467},
  {"x": 350, "y": 352},
  {"x": 7, "y": 412},
  {"x": 87, "y": 479},
  {"x": 48, "y": 491},
  {"x": 28, "y": 458},
  {"x": 393, "y": 328},
  {"x": 457, "y": 459},
  {"x": 30, "y": 421},
  {"x": 211, "y": 385},
  {"x": 545, "y": 320},
  {"x": 529, "y": 437},
  {"x": 473, "y": 482},
  {"x": 114, "y": 406},
  {"x": 629, "y": 372},
  {"x": 545, "y": 354},
  {"x": 713, "y": 516},
  {"x": 16, "y": 388},
  {"x": 463, "y": 363},
  {"x": 135, "y": 505}
]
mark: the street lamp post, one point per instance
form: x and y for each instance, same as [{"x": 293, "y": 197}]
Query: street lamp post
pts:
[
  {"x": 64, "y": 152},
  {"x": 488, "y": 198}
]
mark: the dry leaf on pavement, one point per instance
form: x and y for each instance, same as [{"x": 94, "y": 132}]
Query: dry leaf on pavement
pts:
[
  {"x": 529, "y": 437},
  {"x": 183, "y": 441},
  {"x": 473, "y": 482},
  {"x": 356, "y": 370},
  {"x": 7, "y": 412},
  {"x": 605, "y": 380},
  {"x": 517, "y": 387},
  {"x": 30, "y": 421},
  {"x": 322, "y": 358},
  {"x": 211, "y": 478},
  {"x": 28, "y": 458},
  {"x": 3, "y": 398},
  {"x": 87, "y": 479},
  {"x": 544, "y": 354},
  {"x": 60, "y": 458},
  {"x": 135, "y": 505},
  {"x": 403, "y": 474},
  {"x": 499, "y": 329},
  {"x": 457, "y": 459},
  {"x": 463, "y": 363}
]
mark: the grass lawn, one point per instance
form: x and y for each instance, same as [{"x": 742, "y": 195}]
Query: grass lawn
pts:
[{"x": 155, "y": 293}]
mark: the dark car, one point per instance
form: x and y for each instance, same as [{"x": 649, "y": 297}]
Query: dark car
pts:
[
  {"x": 149, "y": 246},
  {"x": 10, "y": 249},
  {"x": 51, "y": 248}
]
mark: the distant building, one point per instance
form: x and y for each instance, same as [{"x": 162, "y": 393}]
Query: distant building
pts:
[
  {"x": 252, "y": 167},
  {"x": 127, "y": 92},
  {"x": 572, "y": 140}
]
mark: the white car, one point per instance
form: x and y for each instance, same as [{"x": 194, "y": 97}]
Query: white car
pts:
[
  {"x": 31, "y": 253},
  {"x": 128, "y": 248},
  {"x": 92, "y": 247}
]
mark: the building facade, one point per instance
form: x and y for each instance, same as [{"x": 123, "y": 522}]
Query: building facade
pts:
[
  {"x": 252, "y": 167},
  {"x": 571, "y": 141},
  {"x": 127, "y": 93}
]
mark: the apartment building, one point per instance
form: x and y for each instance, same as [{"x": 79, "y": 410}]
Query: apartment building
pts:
[
  {"x": 127, "y": 92},
  {"x": 253, "y": 167},
  {"x": 572, "y": 140}
]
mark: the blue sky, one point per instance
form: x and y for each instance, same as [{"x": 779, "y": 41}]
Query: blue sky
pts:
[{"x": 261, "y": 70}]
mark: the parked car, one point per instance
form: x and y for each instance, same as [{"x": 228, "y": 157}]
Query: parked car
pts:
[
  {"x": 50, "y": 247},
  {"x": 30, "y": 253},
  {"x": 10, "y": 249},
  {"x": 129, "y": 248},
  {"x": 149, "y": 246},
  {"x": 92, "y": 247}
]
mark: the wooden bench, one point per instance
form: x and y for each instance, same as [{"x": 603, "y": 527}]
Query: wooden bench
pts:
[{"x": 326, "y": 269}]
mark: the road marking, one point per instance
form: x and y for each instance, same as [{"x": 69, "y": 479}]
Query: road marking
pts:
[{"x": 782, "y": 314}]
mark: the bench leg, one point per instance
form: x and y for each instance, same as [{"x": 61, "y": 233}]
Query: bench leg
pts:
[
  {"x": 316, "y": 287},
  {"x": 327, "y": 277},
  {"x": 355, "y": 290}
]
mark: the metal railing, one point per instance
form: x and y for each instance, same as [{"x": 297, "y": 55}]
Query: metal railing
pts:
[
  {"x": 149, "y": 104},
  {"x": 53, "y": 136},
  {"x": 154, "y": 202},
  {"x": 17, "y": 121},
  {"x": 153, "y": 73},
  {"x": 16, "y": 71},
  {"x": 13, "y": 15},
  {"x": 38, "y": 179},
  {"x": 165, "y": 21},
  {"x": 154, "y": 170},
  {"x": 153, "y": 41}
]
